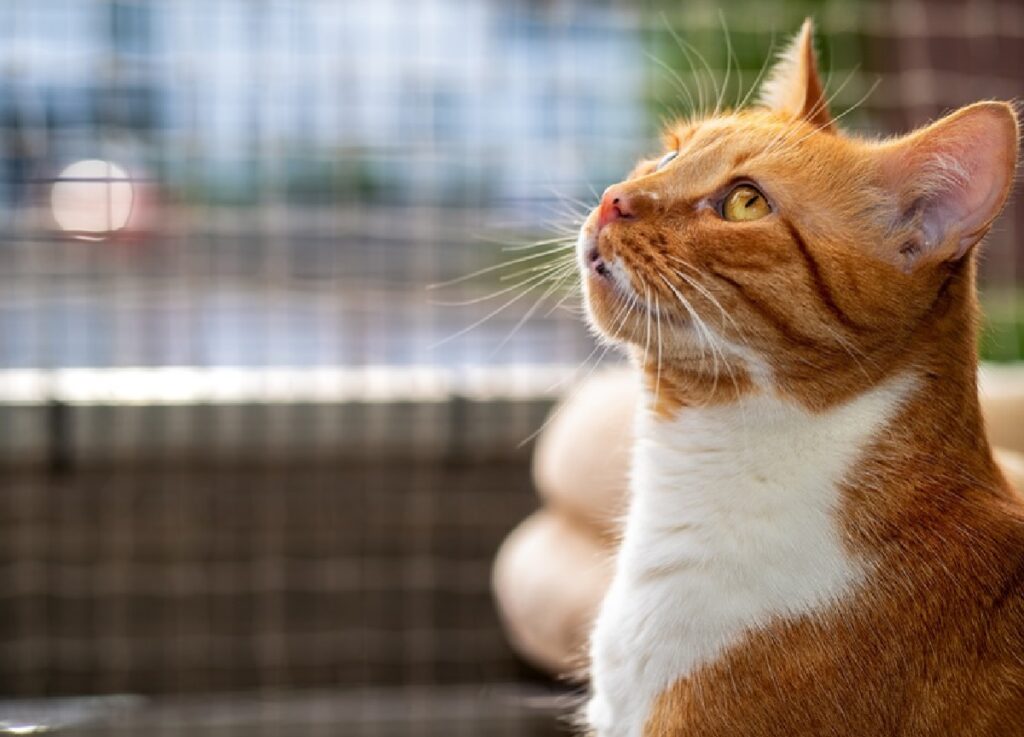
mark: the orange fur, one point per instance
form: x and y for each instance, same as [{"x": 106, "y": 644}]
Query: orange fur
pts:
[{"x": 864, "y": 269}]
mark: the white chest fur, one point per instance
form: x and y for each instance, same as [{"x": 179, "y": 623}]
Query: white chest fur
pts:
[{"x": 732, "y": 523}]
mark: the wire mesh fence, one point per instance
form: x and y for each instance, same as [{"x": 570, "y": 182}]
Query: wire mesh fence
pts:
[{"x": 246, "y": 447}]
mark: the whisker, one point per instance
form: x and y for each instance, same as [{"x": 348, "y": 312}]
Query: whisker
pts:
[
  {"x": 711, "y": 298},
  {"x": 852, "y": 351},
  {"x": 522, "y": 320},
  {"x": 842, "y": 115},
  {"x": 736, "y": 58},
  {"x": 647, "y": 323},
  {"x": 760, "y": 74},
  {"x": 701, "y": 328},
  {"x": 544, "y": 276},
  {"x": 860, "y": 101},
  {"x": 707, "y": 295},
  {"x": 702, "y": 109},
  {"x": 486, "y": 317},
  {"x": 623, "y": 313},
  {"x": 619, "y": 319},
  {"x": 488, "y": 270},
  {"x": 728, "y": 62},
  {"x": 679, "y": 84},
  {"x": 516, "y": 242},
  {"x": 573, "y": 292},
  {"x": 657, "y": 379},
  {"x": 585, "y": 207},
  {"x": 823, "y": 104},
  {"x": 700, "y": 57},
  {"x": 560, "y": 241},
  {"x": 559, "y": 261}
]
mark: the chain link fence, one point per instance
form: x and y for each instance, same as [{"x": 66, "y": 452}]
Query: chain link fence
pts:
[{"x": 245, "y": 447}]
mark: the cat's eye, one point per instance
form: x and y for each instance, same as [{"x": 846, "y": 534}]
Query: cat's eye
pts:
[
  {"x": 665, "y": 160},
  {"x": 744, "y": 203}
]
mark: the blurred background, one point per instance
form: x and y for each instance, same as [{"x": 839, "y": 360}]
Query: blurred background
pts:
[{"x": 255, "y": 469}]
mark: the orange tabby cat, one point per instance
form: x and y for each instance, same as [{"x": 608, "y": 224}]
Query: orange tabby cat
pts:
[{"x": 818, "y": 540}]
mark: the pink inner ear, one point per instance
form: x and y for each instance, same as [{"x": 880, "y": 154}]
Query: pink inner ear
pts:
[{"x": 960, "y": 170}]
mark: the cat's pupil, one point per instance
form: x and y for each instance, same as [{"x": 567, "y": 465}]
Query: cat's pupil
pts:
[{"x": 751, "y": 201}]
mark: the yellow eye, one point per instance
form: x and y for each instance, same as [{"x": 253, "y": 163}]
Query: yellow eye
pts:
[{"x": 745, "y": 203}]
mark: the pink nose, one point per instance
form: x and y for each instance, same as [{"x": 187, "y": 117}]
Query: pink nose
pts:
[{"x": 615, "y": 205}]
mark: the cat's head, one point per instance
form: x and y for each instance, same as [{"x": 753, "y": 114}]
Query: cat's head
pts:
[{"x": 768, "y": 245}]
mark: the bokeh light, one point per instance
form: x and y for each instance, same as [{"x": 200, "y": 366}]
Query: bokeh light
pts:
[{"x": 92, "y": 199}]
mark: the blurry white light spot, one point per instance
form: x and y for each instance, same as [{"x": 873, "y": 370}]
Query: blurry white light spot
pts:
[{"x": 92, "y": 198}]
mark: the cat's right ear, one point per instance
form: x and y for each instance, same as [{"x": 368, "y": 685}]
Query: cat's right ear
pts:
[
  {"x": 794, "y": 86},
  {"x": 950, "y": 180}
]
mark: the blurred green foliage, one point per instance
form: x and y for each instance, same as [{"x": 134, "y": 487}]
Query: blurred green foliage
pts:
[
  {"x": 1002, "y": 335},
  {"x": 712, "y": 50}
]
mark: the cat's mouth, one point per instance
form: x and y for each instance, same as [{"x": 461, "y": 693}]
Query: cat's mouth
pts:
[
  {"x": 609, "y": 285},
  {"x": 601, "y": 272},
  {"x": 596, "y": 263},
  {"x": 615, "y": 303},
  {"x": 609, "y": 276}
]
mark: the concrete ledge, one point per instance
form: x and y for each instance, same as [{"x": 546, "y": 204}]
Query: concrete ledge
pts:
[{"x": 71, "y": 416}]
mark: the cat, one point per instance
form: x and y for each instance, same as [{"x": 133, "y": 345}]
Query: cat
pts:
[{"x": 818, "y": 541}]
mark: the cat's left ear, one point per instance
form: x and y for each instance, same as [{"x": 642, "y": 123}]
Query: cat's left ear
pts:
[
  {"x": 794, "y": 87},
  {"x": 951, "y": 179}
]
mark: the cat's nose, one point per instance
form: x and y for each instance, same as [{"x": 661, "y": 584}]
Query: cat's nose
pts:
[{"x": 615, "y": 205}]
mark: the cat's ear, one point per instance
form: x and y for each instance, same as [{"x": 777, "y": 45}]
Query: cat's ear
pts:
[
  {"x": 951, "y": 179},
  {"x": 794, "y": 86}
]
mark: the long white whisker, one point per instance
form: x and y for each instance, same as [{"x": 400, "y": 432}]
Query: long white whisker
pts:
[
  {"x": 863, "y": 98},
  {"x": 488, "y": 270},
  {"x": 852, "y": 351},
  {"x": 657, "y": 379},
  {"x": 711, "y": 298},
  {"x": 559, "y": 262},
  {"x": 793, "y": 144},
  {"x": 680, "y": 85},
  {"x": 619, "y": 319},
  {"x": 689, "y": 309},
  {"x": 728, "y": 63},
  {"x": 821, "y": 104},
  {"x": 736, "y": 58},
  {"x": 647, "y": 323},
  {"x": 701, "y": 327},
  {"x": 569, "y": 295},
  {"x": 707, "y": 295},
  {"x": 486, "y": 317},
  {"x": 567, "y": 277},
  {"x": 541, "y": 277},
  {"x": 526, "y": 316},
  {"x": 703, "y": 61},
  {"x": 585, "y": 207},
  {"x": 566, "y": 241},
  {"x": 760, "y": 74},
  {"x": 702, "y": 109}
]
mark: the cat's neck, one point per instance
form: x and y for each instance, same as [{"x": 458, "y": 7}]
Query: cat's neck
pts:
[
  {"x": 757, "y": 449},
  {"x": 921, "y": 388},
  {"x": 914, "y": 438}
]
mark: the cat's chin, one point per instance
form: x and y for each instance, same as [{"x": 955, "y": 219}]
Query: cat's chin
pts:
[{"x": 635, "y": 324}]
